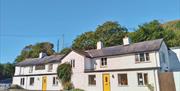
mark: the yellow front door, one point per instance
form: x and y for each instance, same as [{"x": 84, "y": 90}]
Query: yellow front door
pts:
[
  {"x": 44, "y": 83},
  {"x": 106, "y": 82}
]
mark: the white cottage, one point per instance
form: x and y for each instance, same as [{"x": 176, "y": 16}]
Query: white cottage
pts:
[
  {"x": 127, "y": 67},
  {"x": 38, "y": 73}
]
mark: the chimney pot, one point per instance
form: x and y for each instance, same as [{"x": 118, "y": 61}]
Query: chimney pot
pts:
[
  {"x": 126, "y": 40},
  {"x": 41, "y": 55},
  {"x": 99, "y": 45}
]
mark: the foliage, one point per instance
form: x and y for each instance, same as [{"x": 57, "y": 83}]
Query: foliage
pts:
[
  {"x": 65, "y": 51},
  {"x": 6, "y": 70},
  {"x": 32, "y": 51},
  {"x": 154, "y": 30},
  {"x": 77, "y": 89},
  {"x": 172, "y": 25},
  {"x": 64, "y": 72},
  {"x": 110, "y": 33},
  {"x": 150, "y": 87}
]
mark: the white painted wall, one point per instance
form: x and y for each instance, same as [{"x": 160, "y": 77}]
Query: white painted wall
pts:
[
  {"x": 78, "y": 70},
  {"x": 132, "y": 81},
  {"x": 25, "y": 70},
  {"x": 37, "y": 82},
  {"x": 125, "y": 62},
  {"x": 177, "y": 80}
]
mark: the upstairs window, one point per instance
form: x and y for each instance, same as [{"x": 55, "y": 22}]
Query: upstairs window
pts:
[
  {"x": 50, "y": 67},
  {"x": 22, "y": 81},
  {"x": 103, "y": 62},
  {"x": 31, "y": 83},
  {"x": 55, "y": 81},
  {"x": 92, "y": 79},
  {"x": 142, "y": 78},
  {"x": 142, "y": 57},
  {"x": 73, "y": 63},
  {"x": 122, "y": 79},
  {"x": 30, "y": 69},
  {"x": 39, "y": 67}
]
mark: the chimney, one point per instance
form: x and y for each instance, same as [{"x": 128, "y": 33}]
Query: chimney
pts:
[
  {"x": 99, "y": 45},
  {"x": 126, "y": 40},
  {"x": 41, "y": 55}
]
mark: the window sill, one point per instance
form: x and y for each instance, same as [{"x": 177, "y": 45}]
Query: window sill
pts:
[
  {"x": 142, "y": 62},
  {"x": 103, "y": 66},
  {"x": 91, "y": 85},
  {"x": 142, "y": 85},
  {"x": 55, "y": 85},
  {"x": 123, "y": 85}
]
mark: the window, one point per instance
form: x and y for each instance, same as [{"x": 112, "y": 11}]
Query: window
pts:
[
  {"x": 30, "y": 69},
  {"x": 103, "y": 62},
  {"x": 122, "y": 79},
  {"x": 147, "y": 57},
  {"x": 55, "y": 81},
  {"x": 31, "y": 81},
  {"x": 142, "y": 57},
  {"x": 50, "y": 67},
  {"x": 22, "y": 81},
  {"x": 39, "y": 67},
  {"x": 142, "y": 78},
  {"x": 92, "y": 79},
  {"x": 73, "y": 63}
]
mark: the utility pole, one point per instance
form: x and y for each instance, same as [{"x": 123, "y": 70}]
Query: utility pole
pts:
[
  {"x": 62, "y": 41},
  {"x": 58, "y": 46}
]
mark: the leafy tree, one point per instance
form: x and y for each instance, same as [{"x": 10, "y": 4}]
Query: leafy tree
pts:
[
  {"x": 6, "y": 70},
  {"x": 155, "y": 30},
  {"x": 148, "y": 31},
  {"x": 64, "y": 72},
  {"x": 110, "y": 33},
  {"x": 65, "y": 51},
  {"x": 32, "y": 51}
]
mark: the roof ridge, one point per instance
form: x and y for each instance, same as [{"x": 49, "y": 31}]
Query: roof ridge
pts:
[{"x": 122, "y": 45}]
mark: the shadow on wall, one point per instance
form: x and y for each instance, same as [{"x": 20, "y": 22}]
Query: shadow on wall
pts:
[{"x": 174, "y": 61}]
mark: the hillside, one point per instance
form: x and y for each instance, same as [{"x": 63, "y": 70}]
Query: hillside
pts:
[{"x": 172, "y": 25}]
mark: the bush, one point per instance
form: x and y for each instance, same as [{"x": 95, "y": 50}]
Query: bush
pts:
[{"x": 77, "y": 89}]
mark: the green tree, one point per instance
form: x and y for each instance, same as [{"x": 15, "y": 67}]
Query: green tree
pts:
[
  {"x": 110, "y": 33},
  {"x": 64, "y": 72},
  {"x": 32, "y": 51},
  {"x": 65, "y": 51},
  {"x": 147, "y": 31}
]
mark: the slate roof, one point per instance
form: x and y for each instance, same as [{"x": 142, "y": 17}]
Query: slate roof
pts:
[
  {"x": 39, "y": 61},
  {"x": 145, "y": 46}
]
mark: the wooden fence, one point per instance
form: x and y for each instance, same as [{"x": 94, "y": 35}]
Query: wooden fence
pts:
[{"x": 166, "y": 81}]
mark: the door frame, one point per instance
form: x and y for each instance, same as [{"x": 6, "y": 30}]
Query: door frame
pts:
[{"x": 109, "y": 81}]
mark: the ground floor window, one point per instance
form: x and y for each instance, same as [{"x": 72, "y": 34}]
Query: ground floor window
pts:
[
  {"x": 55, "y": 81},
  {"x": 122, "y": 79},
  {"x": 22, "y": 81},
  {"x": 31, "y": 81},
  {"x": 92, "y": 79},
  {"x": 142, "y": 78}
]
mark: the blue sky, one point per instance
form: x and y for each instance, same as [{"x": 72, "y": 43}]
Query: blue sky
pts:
[{"x": 24, "y": 22}]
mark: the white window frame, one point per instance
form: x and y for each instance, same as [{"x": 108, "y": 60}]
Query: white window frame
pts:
[
  {"x": 137, "y": 57},
  {"x": 55, "y": 81},
  {"x": 143, "y": 79},
  {"x": 50, "y": 67},
  {"x": 73, "y": 65},
  {"x": 89, "y": 83},
  {"x": 30, "y": 69},
  {"x": 103, "y": 62},
  {"x": 120, "y": 79},
  {"x": 30, "y": 81}
]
